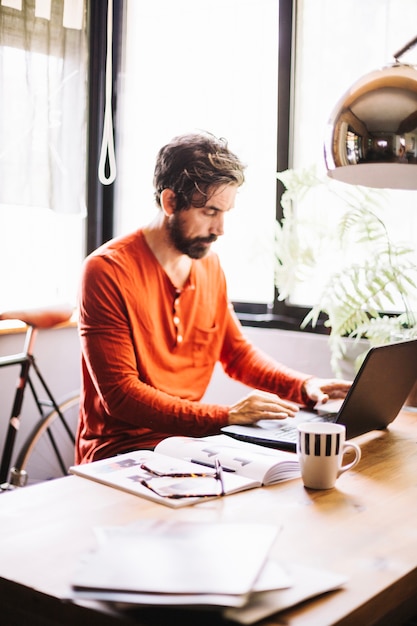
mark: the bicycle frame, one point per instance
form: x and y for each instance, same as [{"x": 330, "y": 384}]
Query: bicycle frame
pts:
[{"x": 27, "y": 362}]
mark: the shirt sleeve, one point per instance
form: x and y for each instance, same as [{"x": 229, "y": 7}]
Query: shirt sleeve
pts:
[{"x": 242, "y": 361}]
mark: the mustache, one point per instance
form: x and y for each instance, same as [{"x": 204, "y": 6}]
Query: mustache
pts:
[{"x": 209, "y": 239}]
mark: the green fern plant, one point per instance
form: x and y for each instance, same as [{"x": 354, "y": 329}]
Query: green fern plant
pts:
[{"x": 357, "y": 293}]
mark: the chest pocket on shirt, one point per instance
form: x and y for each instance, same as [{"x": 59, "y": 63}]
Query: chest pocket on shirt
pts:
[{"x": 206, "y": 346}]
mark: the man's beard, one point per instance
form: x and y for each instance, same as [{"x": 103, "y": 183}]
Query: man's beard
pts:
[{"x": 194, "y": 247}]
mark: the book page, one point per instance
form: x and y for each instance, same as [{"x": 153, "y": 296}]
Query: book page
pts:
[
  {"x": 262, "y": 464},
  {"x": 308, "y": 582},
  {"x": 125, "y": 472},
  {"x": 272, "y": 576}
]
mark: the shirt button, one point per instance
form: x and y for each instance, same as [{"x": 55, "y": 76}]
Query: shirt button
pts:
[
  {"x": 176, "y": 320},
  {"x": 179, "y": 339}
]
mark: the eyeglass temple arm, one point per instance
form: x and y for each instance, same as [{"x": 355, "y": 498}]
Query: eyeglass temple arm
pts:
[{"x": 405, "y": 48}]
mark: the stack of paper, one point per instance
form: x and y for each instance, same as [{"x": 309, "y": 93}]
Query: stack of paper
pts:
[
  {"x": 194, "y": 564},
  {"x": 174, "y": 562}
]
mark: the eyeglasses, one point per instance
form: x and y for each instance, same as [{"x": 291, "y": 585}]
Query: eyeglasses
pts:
[{"x": 216, "y": 475}]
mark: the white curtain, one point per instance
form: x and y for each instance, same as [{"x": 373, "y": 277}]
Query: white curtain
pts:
[{"x": 43, "y": 104}]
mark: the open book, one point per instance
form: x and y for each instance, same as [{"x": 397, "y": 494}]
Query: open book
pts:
[{"x": 155, "y": 474}]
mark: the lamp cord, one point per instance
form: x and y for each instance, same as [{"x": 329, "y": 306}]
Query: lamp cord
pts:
[{"x": 107, "y": 146}]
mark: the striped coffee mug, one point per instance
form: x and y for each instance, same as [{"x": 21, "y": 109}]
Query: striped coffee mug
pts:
[{"x": 321, "y": 447}]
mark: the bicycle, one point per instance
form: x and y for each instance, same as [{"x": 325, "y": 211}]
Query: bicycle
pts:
[{"x": 48, "y": 451}]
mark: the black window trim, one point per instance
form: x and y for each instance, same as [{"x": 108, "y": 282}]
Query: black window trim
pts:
[
  {"x": 280, "y": 314},
  {"x": 100, "y": 198}
]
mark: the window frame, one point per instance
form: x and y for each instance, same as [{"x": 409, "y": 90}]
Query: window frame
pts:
[
  {"x": 280, "y": 314},
  {"x": 100, "y": 198}
]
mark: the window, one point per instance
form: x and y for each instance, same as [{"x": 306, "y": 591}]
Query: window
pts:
[
  {"x": 208, "y": 65},
  {"x": 336, "y": 44},
  {"x": 212, "y": 65},
  {"x": 43, "y": 73},
  {"x": 215, "y": 66}
]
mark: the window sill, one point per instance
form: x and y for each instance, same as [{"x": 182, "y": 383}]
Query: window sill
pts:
[{"x": 277, "y": 315}]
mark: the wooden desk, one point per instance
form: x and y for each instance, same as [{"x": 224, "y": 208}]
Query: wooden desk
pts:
[{"x": 365, "y": 528}]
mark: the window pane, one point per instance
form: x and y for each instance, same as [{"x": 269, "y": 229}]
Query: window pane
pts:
[
  {"x": 209, "y": 65},
  {"x": 43, "y": 73},
  {"x": 338, "y": 42},
  {"x": 41, "y": 253}
]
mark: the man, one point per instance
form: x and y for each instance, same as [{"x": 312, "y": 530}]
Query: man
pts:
[{"x": 154, "y": 318}]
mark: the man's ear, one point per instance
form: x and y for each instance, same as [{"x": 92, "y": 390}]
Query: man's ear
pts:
[{"x": 168, "y": 201}]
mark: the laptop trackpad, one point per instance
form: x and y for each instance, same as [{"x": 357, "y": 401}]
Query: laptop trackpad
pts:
[{"x": 329, "y": 407}]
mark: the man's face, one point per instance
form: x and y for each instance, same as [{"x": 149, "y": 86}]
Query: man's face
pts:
[{"x": 193, "y": 230}]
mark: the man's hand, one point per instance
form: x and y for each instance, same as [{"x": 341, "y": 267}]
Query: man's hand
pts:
[
  {"x": 323, "y": 389},
  {"x": 259, "y": 405}
]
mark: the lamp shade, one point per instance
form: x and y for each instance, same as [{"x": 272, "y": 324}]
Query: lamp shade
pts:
[{"x": 371, "y": 138}]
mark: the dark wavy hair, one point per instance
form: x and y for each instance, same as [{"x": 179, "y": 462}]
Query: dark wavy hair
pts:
[{"x": 193, "y": 164}]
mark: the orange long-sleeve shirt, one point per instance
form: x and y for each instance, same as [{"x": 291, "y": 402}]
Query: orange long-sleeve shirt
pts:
[{"x": 148, "y": 351}]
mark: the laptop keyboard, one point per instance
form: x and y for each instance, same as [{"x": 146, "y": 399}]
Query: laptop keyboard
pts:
[
  {"x": 288, "y": 432},
  {"x": 277, "y": 433}
]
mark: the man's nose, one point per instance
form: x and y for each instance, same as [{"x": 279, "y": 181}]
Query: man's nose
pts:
[{"x": 217, "y": 227}]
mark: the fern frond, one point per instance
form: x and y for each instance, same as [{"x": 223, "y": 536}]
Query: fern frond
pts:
[
  {"x": 382, "y": 275},
  {"x": 353, "y": 297}
]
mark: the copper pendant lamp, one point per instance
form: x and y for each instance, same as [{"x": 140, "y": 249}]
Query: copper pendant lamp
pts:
[{"x": 372, "y": 133}]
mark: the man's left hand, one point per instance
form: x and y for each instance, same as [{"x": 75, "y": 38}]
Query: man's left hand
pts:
[{"x": 322, "y": 389}]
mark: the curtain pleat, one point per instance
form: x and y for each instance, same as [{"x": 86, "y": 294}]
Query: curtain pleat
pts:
[{"x": 43, "y": 103}]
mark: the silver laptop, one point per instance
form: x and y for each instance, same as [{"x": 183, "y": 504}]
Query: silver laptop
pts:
[{"x": 377, "y": 395}]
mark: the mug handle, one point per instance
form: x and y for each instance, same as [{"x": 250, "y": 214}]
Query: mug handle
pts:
[{"x": 355, "y": 461}]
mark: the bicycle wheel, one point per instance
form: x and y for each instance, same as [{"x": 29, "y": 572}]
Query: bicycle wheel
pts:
[{"x": 48, "y": 451}]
